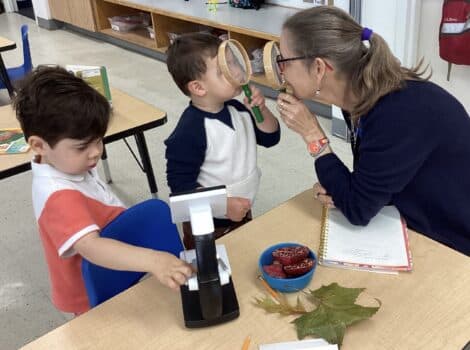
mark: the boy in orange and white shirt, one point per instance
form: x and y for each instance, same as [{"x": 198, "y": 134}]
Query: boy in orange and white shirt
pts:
[{"x": 64, "y": 121}]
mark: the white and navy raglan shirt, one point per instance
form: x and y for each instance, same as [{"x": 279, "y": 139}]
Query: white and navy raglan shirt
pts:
[{"x": 211, "y": 149}]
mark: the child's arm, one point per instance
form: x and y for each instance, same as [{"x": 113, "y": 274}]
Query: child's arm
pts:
[
  {"x": 185, "y": 152},
  {"x": 270, "y": 123},
  {"x": 169, "y": 270},
  {"x": 237, "y": 208}
]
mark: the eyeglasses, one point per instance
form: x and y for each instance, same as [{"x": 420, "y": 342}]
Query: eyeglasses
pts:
[{"x": 281, "y": 62}]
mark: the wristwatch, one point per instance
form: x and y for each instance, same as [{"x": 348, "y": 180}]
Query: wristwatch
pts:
[{"x": 317, "y": 147}]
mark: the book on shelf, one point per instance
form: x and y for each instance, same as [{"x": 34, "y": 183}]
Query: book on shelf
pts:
[
  {"x": 12, "y": 141},
  {"x": 381, "y": 246},
  {"x": 96, "y": 76}
]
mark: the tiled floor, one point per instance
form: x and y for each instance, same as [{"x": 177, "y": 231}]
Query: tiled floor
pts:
[{"x": 25, "y": 308}]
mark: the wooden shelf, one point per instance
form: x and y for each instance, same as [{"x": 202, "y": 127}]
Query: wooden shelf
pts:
[
  {"x": 140, "y": 37},
  {"x": 260, "y": 79},
  {"x": 248, "y": 27},
  {"x": 77, "y": 12}
]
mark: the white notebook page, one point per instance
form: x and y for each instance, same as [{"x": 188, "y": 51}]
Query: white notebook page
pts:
[
  {"x": 381, "y": 242},
  {"x": 309, "y": 344}
]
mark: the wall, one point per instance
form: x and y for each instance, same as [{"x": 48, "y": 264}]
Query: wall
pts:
[
  {"x": 397, "y": 21},
  {"x": 344, "y": 4},
  {"x": 41, "y": 9},
  {"x": 411, "y": 28},
  {"x": 428, "y": 47},
  {"x": 10, "y": 5}
]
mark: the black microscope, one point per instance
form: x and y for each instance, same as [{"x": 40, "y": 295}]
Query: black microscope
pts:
[{"x": 208, "y": 297}]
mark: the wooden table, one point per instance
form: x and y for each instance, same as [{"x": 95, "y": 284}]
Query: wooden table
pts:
[
  {"x": 428, "y": 308},
  {"x": 131, "y": 117},
  {"x": 5, "y": 45}
]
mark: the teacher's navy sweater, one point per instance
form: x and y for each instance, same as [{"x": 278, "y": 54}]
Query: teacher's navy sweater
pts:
[{"x": 413, "y": 151}]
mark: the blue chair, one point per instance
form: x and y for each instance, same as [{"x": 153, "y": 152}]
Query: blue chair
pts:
[
  {"x": 148, "y": 225},
  {"x": 19, "y": 72}
]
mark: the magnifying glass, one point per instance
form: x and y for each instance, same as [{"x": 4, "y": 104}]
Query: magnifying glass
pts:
[
  {"x": 235, "y": 65},
  {"x": 273, "y": 74}
]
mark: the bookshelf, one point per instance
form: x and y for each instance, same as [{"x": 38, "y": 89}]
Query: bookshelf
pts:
[{"x": 252, "y": 28}]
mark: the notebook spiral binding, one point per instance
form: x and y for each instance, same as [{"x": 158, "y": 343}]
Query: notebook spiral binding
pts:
[{"x": 323, "y": 235}]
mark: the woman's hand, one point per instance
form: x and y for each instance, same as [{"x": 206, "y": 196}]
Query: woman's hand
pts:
[
  {"x": 298, "y": 117},
  {"x": 320, "y": 194}
]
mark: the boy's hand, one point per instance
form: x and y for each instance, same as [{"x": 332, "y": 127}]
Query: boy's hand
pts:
[
  {"x": 257, "y": 99},
  {"x": 171, "y": 271},
  {"x": 237, "y": 208}
]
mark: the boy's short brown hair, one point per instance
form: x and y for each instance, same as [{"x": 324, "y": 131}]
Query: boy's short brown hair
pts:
[
  {"x": 54, "y": 104},
  {"x": 186, "y": 57}
]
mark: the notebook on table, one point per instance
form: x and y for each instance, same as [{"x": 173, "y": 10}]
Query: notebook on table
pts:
[
  {"x": 309, "y": 344},
  {"x": 381, "y": 246}
]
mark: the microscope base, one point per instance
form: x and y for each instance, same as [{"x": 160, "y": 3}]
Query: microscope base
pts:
[{"x": 192, "y": 309}]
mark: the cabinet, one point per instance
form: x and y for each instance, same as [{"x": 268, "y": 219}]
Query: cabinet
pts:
[
  {"x": 77, "y": 12},
  {"x": 252, "y": 28}
]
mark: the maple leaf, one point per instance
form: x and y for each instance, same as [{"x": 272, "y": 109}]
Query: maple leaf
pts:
[
  {"x": 335, "y": 310},
  {"x": 280, "y": 305}
]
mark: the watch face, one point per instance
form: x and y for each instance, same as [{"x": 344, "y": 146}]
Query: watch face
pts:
[{"x": 314, "y": 147}]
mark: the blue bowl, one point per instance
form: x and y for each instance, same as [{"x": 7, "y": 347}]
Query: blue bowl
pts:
[{"x": 285, "y": 285}]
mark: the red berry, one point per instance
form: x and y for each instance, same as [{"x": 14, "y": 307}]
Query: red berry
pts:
[
  {"x": 299, "y": 268},
  {"x": 274, "y": 270},
  {"x": 290, "y": 255}
]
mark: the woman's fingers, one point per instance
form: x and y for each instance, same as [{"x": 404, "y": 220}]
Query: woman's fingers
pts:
[
  {"x": 287, "y": 98},
  {"x": 320, "y": 194},
  {"x": 297, "y": 117},
  {"x": 318, "y": 188},
  {"x": 286, "y": 102},
  {"x": 289, "y": 118},
  {"x": 325, "y": 200}
]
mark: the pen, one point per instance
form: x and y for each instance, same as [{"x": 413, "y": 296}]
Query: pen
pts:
[
  {"x": 269, "y": 289},
  {"x": 246, "y": 343},
  {"x": 216, "y": 3}
]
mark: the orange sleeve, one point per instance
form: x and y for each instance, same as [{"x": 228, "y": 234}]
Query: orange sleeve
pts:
[{"x": 66, "y": 218}]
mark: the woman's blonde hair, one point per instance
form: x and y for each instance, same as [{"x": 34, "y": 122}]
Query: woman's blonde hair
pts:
[{"x": 329, "y": 32}]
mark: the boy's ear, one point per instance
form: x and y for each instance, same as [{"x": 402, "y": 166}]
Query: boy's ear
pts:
[
  {"x": 38, "y": 145},
  {"x": 196, "y": 88}
]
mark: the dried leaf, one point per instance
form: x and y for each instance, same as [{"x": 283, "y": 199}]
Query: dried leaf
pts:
[
  {"x": 336, "y": 310},
  {"x": 281, "y": 305},
  {"x": 334, "y": 294}
]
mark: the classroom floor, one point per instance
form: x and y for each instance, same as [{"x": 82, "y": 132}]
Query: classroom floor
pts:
[{"x": 26, "y": 309}]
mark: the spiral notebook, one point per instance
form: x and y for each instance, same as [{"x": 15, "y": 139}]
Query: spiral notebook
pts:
[
  {"x": 308, "y": 344},
  {"x": 381, "y": 246}
]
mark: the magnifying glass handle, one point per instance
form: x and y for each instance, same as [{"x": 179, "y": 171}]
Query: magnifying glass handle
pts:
[{"x": 256, "y": 111}]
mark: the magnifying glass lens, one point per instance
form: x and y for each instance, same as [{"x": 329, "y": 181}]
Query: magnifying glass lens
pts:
[
  {"x": 236, "y": 64},
  {"x": 275, "y": 67}
]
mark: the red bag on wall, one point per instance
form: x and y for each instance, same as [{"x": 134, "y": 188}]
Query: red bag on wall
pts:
[{"x": 454, "y": 32}]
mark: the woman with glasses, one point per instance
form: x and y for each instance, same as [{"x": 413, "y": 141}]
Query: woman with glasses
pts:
[{"x": 410, "y": 138}]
